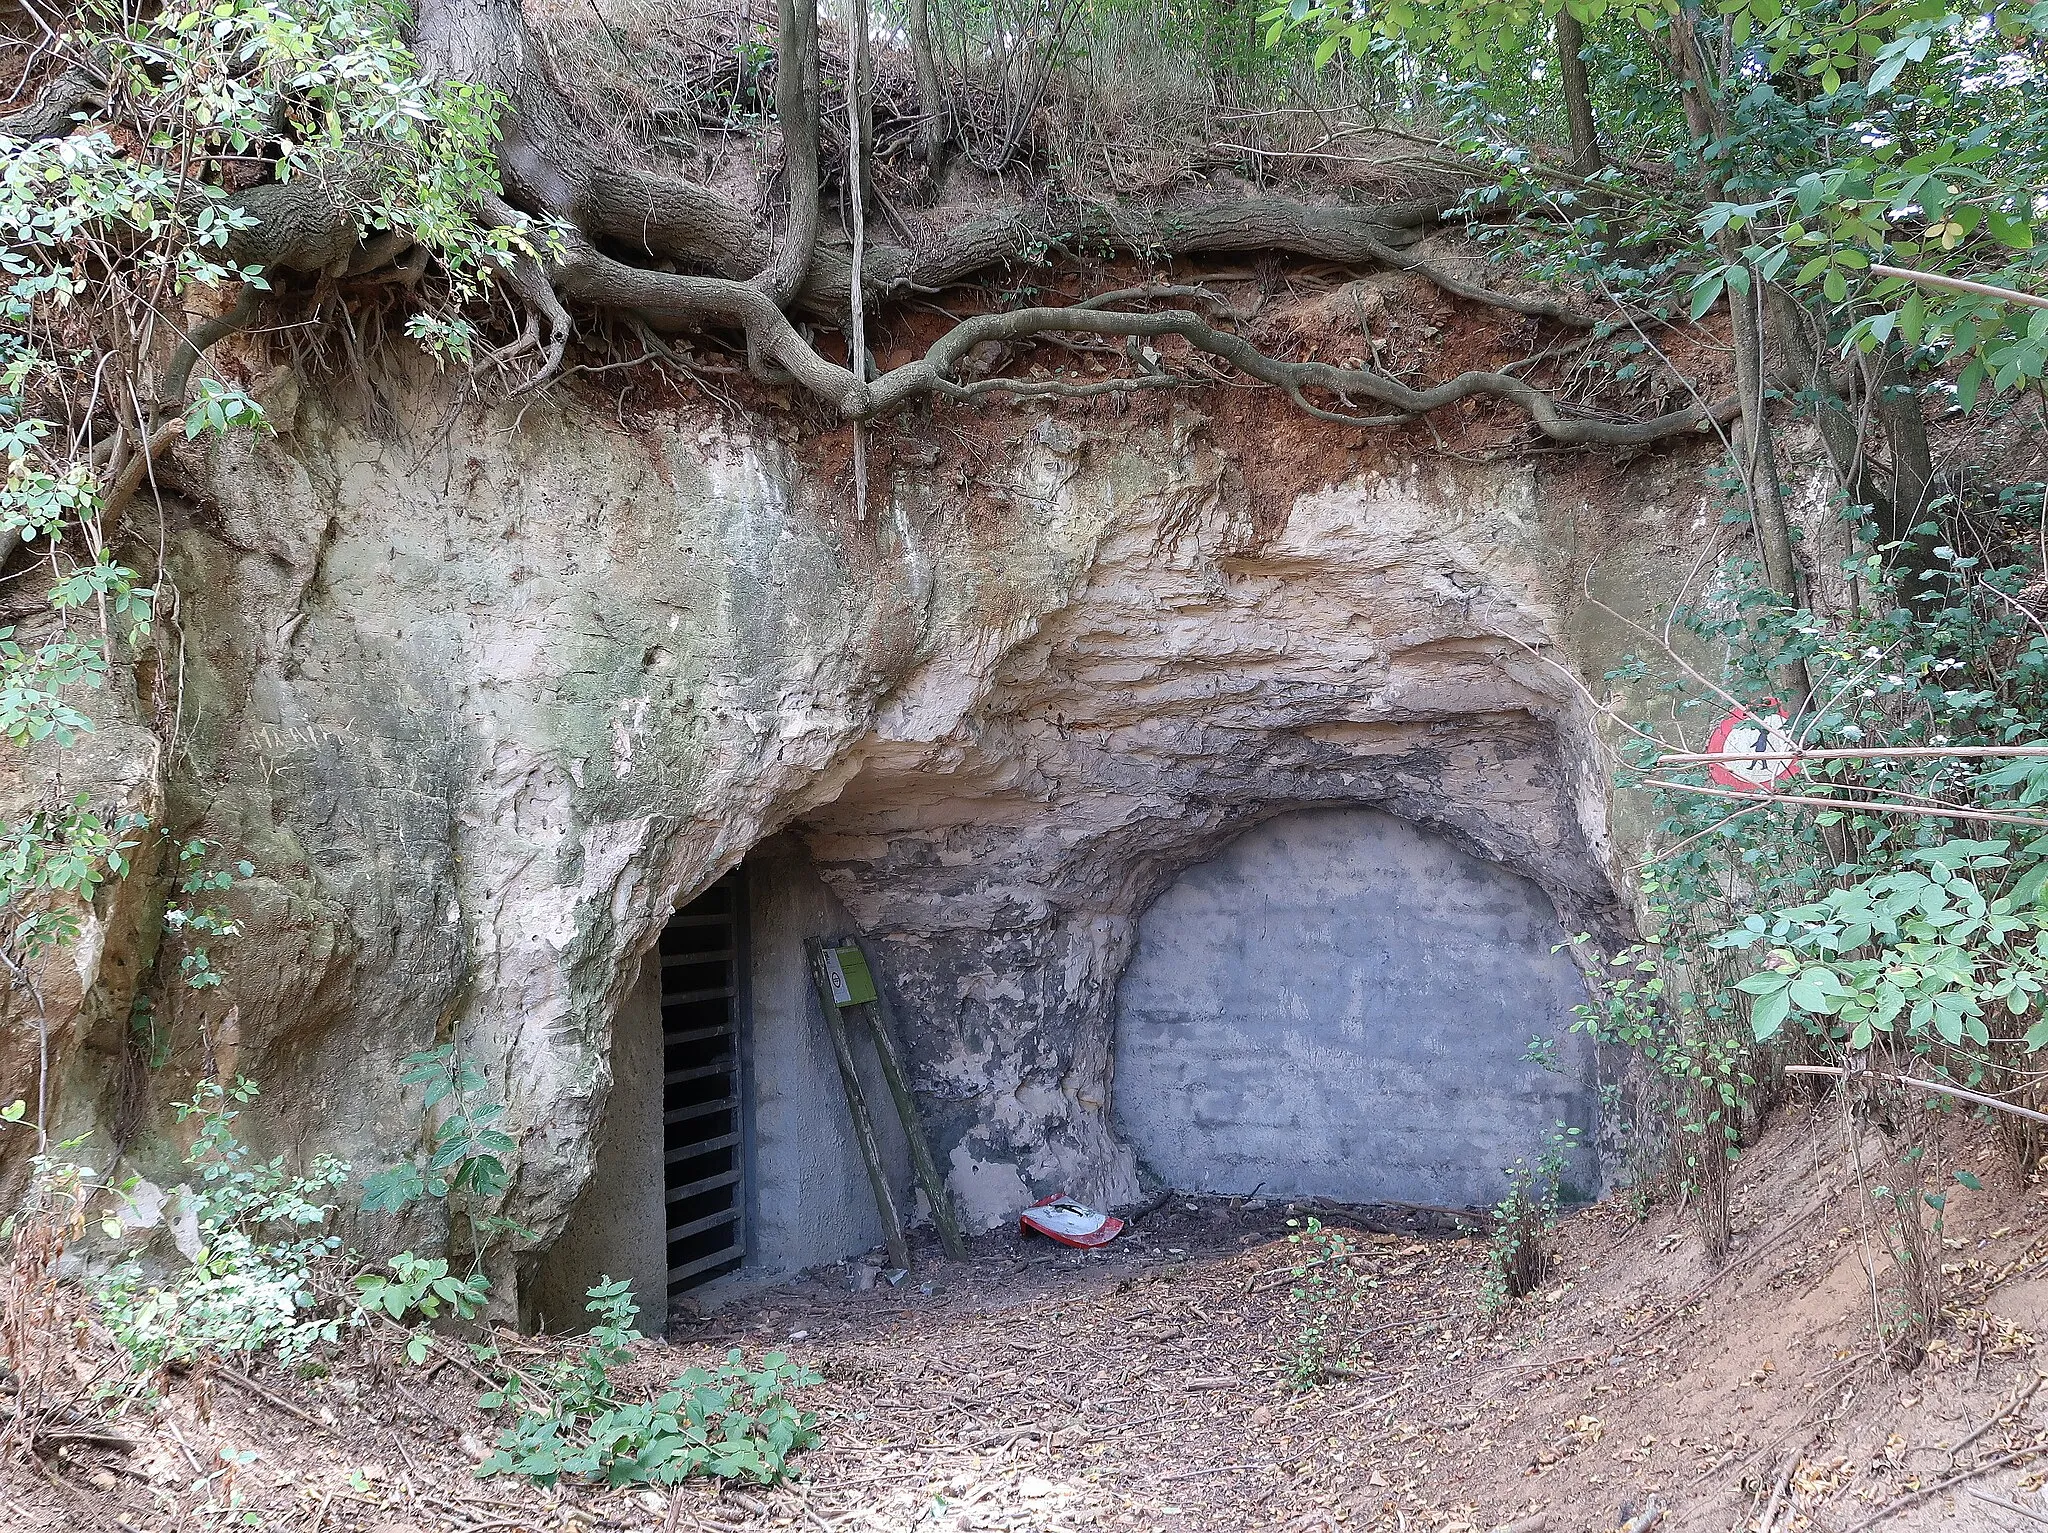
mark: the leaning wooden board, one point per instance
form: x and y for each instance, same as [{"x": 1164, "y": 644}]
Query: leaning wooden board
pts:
[{"x": 844, "y": 973}]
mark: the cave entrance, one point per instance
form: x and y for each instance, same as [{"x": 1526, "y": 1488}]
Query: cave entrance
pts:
[
  {"x": 1342, "y": 1005},
  {"x": 703, "y": 966},
  {"x": 725, "y": 1154}
]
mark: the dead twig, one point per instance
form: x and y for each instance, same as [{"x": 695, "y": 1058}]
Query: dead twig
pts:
[
  {"x": 1914, "y": 1498},
  {"x": 1778, "y": 1490},
  {"x": 2006, "y": 1506},
  {"x": 2006, "y": 1414},
  {"x": 1862, "y": 806},
  {"x": 269, "y": 1397},
  {"x": 1913, "y": 1080}
]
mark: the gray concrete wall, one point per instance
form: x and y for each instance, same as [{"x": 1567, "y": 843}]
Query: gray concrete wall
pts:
[
  {"x": 810, "y": 1201},
  {"x": 1338, "y": 1005},
  {"x": 616, "y": 1226}
]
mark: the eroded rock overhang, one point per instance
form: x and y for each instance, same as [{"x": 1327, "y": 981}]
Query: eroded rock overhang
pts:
[
  {"x": 1012, "y": 814},
  {"x": 484, "y": 707}
]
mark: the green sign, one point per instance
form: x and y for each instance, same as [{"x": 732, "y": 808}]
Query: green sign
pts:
[{"x": 852, "y": 984}]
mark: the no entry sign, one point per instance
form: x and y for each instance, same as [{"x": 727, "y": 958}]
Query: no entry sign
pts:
[{"x": 1741, "y": 732}]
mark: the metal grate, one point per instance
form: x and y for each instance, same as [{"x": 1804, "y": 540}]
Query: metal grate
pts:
[{"x": 702, "y": 1141}]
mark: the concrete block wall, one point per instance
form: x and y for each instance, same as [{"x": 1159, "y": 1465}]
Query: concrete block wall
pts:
[{"x": 1340, "y": 1004}]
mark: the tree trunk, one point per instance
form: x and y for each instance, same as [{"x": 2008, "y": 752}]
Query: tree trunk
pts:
[
  {"x": 1756, "y": 458},
  {"x": 1578, "y": 94},
  {"x": 932, "y": 131}
]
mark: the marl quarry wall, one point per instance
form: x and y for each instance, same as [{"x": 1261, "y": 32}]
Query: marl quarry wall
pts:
[{"x": 484, "y": 700}]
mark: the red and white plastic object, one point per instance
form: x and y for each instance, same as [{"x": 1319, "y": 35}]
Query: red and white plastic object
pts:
[
  {"x": 1072, "y": 1224},
  {"x": 1745, "y": 731}
]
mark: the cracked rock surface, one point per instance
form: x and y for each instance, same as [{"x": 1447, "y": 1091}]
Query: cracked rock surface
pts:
[{"x": 483, "y": 706}]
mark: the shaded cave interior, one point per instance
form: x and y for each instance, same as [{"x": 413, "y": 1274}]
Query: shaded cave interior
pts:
[{"x": 1328, "y": 994}]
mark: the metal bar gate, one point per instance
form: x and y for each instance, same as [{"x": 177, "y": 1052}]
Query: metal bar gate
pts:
[{"x": 703, "y": 1153}]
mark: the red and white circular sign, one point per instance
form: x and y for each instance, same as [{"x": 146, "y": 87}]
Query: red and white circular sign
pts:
[{"x": 1742, "y": 731}]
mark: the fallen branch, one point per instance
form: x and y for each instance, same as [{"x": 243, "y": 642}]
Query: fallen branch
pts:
[
  {"x": 1914, "y": 1498},
  {"x": 90, "y": 1435},
  {"x": 1875, "y": 753},
  {"x": 244, "y": 1382},
  {"x": 2004, "y": 1415},
  {"x": 1196, "y": 1474},
  {"x": 1865, "y": 806},
  {"x": 1913, "y": 1080},
  {"x": 1778, "y": 1490},
  {"x": 2006, "y": 1506},
  {"x": 1957, "y": 285}
]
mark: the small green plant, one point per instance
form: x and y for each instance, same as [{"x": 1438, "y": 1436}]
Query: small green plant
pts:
[
  {"x": 264, "y": 1258},
  {"x": 465, "y": 1153},
  {"x": 192, "y": 920},
  {"x": 1328, "y": 1292},
  {"x": 1518, "y": 1254},
  {"x": 730, "y": 1421},
  {"x": 421, "y": 1286}
]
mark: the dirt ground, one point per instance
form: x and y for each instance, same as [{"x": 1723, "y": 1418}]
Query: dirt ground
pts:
[{"x": 1147, "y": 1386}]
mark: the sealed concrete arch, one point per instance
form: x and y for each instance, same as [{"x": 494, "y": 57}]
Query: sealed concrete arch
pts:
[{"x": 1339, "y": 1004}]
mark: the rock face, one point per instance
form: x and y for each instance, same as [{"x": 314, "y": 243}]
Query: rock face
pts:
[{"x": 484, "y": 705}]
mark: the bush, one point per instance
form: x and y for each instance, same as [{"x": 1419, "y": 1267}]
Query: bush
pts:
[
  {"x": 1327, "y": 1294},
  {"x": 1518, "y": 1256},
  {"x": 264, "y": 1253},
  {"x": 735, "y": 1422}
]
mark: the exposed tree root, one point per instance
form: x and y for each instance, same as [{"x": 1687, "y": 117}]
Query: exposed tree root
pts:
[{"x": 676, "y": 256}]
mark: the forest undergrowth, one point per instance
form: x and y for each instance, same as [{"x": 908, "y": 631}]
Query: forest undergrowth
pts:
[{"x": 1161, "y": 1383}]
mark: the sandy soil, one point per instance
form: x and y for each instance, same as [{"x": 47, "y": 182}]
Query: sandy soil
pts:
[{"x": 1148, "y": 1386}]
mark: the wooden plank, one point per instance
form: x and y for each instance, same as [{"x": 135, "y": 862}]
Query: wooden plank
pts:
[
  {"x": 686, "y": 960},
  {"x": 714, "y": 993},
  {"x": 689, "y": 1269},
  {"x": 857, "y": 1104},
  {"x": 699, "y": 1226},
  {"x": 678, "y": 1077},
  {"x": 677, "y": 1115},
  {"x": 723, "y": 917},
  {"x": 882, "y": 1022},
  {"x": 698, "y": 1034}
]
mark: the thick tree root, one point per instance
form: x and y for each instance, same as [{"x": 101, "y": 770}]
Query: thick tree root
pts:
[{"x": 676, "y": 256}]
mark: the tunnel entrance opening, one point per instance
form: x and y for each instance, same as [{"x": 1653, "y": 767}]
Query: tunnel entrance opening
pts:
[
  {"x": 703, "y": 967},
  {"x": 725, "y": 1153},
  {"x": 1342, "y": 1005}
]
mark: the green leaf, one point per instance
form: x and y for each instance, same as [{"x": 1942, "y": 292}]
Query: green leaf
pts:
[
  {"x": 1769, "y": 1013},
  {"x": 392, "y": 1190},
  {"x": 1968, "y": 383}
]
